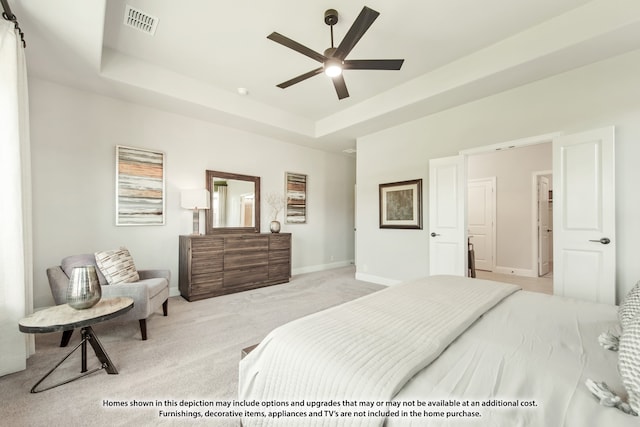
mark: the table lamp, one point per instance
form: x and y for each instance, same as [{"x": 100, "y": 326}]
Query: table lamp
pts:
[{"x": 195, "y": 199}]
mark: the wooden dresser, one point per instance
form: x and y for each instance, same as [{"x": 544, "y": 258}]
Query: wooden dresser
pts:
[{"x": 213, "y": 265}]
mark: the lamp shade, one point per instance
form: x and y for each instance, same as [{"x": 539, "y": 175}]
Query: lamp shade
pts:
[{"x": 194, "y": 199}]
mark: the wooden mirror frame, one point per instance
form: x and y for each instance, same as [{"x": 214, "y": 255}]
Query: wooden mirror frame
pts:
[{"x": 210, "y": 229}]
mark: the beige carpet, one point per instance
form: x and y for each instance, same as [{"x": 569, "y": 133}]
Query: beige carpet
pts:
[
  {"x": 192, "y": 354},
  {"x": 533, "y": 284}
]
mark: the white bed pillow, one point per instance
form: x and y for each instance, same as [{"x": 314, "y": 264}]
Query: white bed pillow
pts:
[
  {"x": 629, "y": 362},
  {"x": 117, "y": 266},
  {"x": 630, "y": 306}
]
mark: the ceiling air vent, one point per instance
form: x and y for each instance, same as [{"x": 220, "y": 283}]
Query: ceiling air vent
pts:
[{"x": 135, "y": 18}]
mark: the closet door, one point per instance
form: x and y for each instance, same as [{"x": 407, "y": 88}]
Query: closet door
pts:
[{"x": 481, "y": 207}]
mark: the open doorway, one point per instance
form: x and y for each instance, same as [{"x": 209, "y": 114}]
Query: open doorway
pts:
[
  {"x": 544, "y": 223},
  {"x": 583, "y": 214},
  {"x": 506, "y": 213}
]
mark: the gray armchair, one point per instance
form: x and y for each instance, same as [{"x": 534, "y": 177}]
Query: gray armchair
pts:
[{"x": 148, "y": 294}]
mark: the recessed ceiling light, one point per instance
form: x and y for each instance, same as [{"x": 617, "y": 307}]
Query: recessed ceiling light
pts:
[
  {"x": 243, "y": 91},
  {"x": 349, "y": 150}
]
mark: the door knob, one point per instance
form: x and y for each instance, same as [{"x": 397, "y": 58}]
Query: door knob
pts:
[
  {"x": 434, "y": 234},
  {"x": 604, "y": 240}
]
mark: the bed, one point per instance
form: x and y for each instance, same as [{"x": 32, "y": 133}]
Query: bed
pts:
[{"x": 442, "y": 350}]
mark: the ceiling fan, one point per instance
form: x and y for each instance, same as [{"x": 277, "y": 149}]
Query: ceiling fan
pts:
[{"x": 333, "y": 61}]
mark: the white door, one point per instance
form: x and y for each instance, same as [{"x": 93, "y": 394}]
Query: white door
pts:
[
  {"x": 544, "y": 226},
  {"x": 447, "y": 247},
  {"x": 480, "y": 220},
  {"x": 584, "y": 216},
  {"x": 355, "y": 225}
]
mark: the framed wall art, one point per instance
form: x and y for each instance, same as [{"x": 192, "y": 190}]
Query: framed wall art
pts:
[
  {"x": 296, "y": 198},
  {"x": 401, "y": 204},
  {"x": 140, "y": 186}
]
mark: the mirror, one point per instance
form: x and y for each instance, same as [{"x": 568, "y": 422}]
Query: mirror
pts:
[{"x": 235, "y": 203}]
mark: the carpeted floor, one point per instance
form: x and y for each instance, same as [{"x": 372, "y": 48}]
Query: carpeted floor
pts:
[{"x": 190, "y": 355}]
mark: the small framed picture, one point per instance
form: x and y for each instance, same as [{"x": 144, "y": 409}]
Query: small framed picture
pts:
[{"x": 401, "y": 204}]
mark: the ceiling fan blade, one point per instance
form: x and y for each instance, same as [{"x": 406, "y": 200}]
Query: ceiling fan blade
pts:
[
  {"x": 357, "y": 30},
  {"x": 292, "y": 44},
  {"x": 373, "y": 64},
  {"x": 341, "y": 86},
  {"x": 300, "y": 78}
]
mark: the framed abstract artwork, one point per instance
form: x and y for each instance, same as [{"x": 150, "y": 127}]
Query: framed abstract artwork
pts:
[
  {"x": 296, "y": 198},
  {"x": 140, "y": 186},
  {"x": 401, "y": 204}
]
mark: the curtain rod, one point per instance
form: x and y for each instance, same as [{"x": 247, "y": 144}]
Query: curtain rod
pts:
[{"x": 9, "y": 16}]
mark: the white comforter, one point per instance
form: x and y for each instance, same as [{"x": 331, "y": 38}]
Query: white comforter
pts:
[
  {"x": 532, "y": 347},
  {"x": 364, "y": 350}
]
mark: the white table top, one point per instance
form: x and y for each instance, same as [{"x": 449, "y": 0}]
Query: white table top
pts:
[{"x": 63, "y": 317}]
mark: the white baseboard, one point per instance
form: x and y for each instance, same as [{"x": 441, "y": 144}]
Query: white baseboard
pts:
[
  {"x": 376, "y": 279},
  {"x": 515, "y": 271},
  {"x": 321, "y": 267}
]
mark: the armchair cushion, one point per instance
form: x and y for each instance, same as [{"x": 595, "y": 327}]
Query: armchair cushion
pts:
[
  {"x": 147, "y": 294},
  {"x": 117, "y": 266}
]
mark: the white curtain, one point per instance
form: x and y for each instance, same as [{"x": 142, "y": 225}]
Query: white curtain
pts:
[{"x": 16, "y": 260}]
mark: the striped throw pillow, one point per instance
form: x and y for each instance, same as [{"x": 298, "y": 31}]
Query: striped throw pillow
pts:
[
  {"x": 630, "y": 307},
  {"x": 629, "y": 362},
  {"x": 117, "y": 266}
]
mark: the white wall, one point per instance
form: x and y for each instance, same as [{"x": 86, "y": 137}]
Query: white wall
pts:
[
  {"x": 513, "y": 170},
  {"x": 73, "y": 136},
  {"x": 602, "y": 94}
]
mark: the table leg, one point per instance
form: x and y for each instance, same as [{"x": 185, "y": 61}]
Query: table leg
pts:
[
  {"x": 100, "y": 352},
  {"x": 83, "y": 350},
  {"x": 87, "y": 336}
]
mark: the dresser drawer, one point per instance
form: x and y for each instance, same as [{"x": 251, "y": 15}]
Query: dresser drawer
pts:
[
  {"x": 257, "y": 243},
  {"x": 207, "y": 244},
  {"x": 204, "y": 285},
  {"x": 245, "y": 259},
  {"x": 204, "y": 278},
  {"x": 279, "y": 257},
  {"x": 206, "y": 263},
  {"x": 279, "y": 241},
  {"x": 246, "y": 276},
  {"x": 279, "y": 271}
]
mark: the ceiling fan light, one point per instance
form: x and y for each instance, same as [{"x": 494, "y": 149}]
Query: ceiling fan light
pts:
[
  {"x": 333, "y": 67},
  {"x": 333, "y": 70}
]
